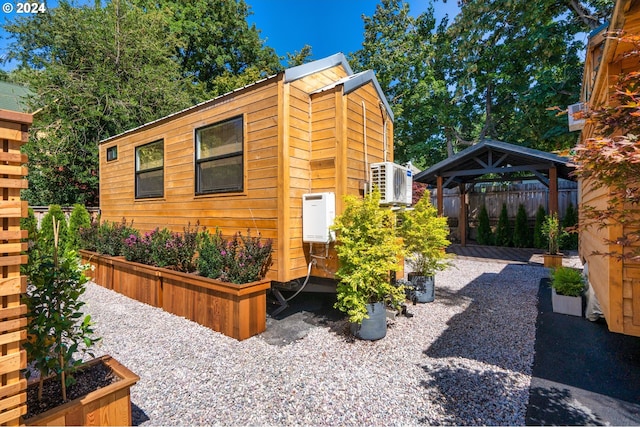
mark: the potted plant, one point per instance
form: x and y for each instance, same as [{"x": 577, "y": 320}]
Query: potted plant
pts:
[
  {"x": 551, "y": 231},
  {"x": 367, "y": 252},
  {"x": 425, "y": 239},
  {"x": 59, "y": 336},
  {"x": 567, "y": 285}
]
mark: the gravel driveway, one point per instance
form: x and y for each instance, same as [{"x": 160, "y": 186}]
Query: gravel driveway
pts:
[{"x": 464, "y": 359}]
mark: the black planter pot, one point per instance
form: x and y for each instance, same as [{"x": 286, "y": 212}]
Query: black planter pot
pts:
[{"x": 375, "y": 327}]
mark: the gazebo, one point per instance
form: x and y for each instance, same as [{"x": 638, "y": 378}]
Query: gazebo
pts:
[{"x": 509, "y": 161}]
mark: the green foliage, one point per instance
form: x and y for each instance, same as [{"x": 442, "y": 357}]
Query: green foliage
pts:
[
  {"x": 567, "y": 281},
  {"x": 106, "y": 238},
  {"x": 163, "y": 248},
  {"x": 242, "y": 259},
  {"x": 485, "y": 236},
  {"x": 367, "y": 251},
  {"x": 79, "y": 218},
  {"x": 539, "y": 238},
  {"x": 46, "y": 229},
  {"x": 570, "y": 227},
  {"x": 57, "y": 328},
  {"x": 503, "y": 230},
  {"x": 30, "y": 223},
  {"x": 521, "y": 229},
  {"x": 552, "y": 232},
  {"x": 425, "y": 237}
]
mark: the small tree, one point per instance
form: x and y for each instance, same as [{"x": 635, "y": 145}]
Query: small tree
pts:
[
  {"x": 46, "y": 230},
  {"x": 521, "y": 229},
  {"x": 367, "y": 251},
  {"x": 56, "y": 326},
  {"x": 485, "y": 237},
  {"x": 503, "y": 231},
  {"x": 539, "y": 239},
  {"x": 551, "y": 230},
  {"x": 79, "y": 218},
  {"x": 569, "y": 226}
]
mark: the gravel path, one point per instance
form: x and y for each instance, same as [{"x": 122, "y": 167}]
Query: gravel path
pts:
[{"x": 464, "y": 359}]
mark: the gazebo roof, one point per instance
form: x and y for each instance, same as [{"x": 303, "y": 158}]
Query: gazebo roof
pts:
[{"x": 490, "y": 156}]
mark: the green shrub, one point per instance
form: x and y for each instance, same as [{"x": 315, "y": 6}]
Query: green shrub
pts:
[
  {"x": 46, "y": 229},
  {"x": 521, "y": 229},
  {"x": 425, "y": 237},
  {"x": 78, "y": 219},
  {"x": 503, "y": 230},
  {"x": 89, "y": 235},
  {"x": 569, "y": 223},
  {"x": 30, "y": 223},
  {"x": 110, "y": 237},
  {"x": 539, "y": 239},
  {"x": 551, "y": 230},
  {"x": 485, "y": 237},
  {"x": 210, "y": 259},
  {"x": 567, "y": 281},
  {"x": 367, "y": 251}
]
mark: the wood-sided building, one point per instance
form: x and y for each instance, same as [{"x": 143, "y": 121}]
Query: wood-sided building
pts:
[
  {"x": 244, "y": 159},
  {"x": 616, "y": 283}
]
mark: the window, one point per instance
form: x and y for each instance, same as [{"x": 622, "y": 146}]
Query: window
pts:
[
  {"x": 150, "y": 170},
  {"x": 219, "y": 157},
  {"x": 112, "y": 153}
]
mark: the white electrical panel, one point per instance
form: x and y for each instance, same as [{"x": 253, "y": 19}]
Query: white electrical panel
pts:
[{"x": 318, "y": 213}]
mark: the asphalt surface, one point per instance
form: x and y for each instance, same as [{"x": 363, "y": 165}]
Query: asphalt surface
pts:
[{"x": 582, "y": 373}]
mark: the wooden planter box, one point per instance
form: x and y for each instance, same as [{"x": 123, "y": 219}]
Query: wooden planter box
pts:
[
  {"x": 552, "y": 261},
  {"x": 108, "y": 406},
  {"x": 238, "y": 311},
  {"x": 101, "y": 268}
]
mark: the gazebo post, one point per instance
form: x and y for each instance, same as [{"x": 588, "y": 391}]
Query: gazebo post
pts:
[
  {"x": 462, "y": 217},
  {"x": 553, "y": 190},
  {"x": 440, "y": 196}
]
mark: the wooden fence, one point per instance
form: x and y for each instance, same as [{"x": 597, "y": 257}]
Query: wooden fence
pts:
[
  {"x": 14, "y": 129},
  {"x": 493, "y": 195},
  {"x": 41, "y": 211}
]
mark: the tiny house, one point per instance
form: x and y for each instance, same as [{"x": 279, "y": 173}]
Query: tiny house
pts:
[
  {"x": 246, "y": 160},
  {"x": 615, "y": 282}
]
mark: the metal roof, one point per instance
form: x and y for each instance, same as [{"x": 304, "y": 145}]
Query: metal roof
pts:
[
  {"x": 13, "y": 97},
  {"x": 491, "y": 156}
]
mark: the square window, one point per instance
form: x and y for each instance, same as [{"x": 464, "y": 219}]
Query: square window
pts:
[{"x": 112, "y": 153}]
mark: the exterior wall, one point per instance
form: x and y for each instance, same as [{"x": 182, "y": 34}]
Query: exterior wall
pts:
[
  {"x": 299, "y": 138},
  {"x": 616, "y": 283},
  {"x": 254, "y": 208}
]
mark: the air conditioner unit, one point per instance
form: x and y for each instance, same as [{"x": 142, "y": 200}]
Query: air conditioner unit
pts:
[
  {"x": 576, "y": 116},
  {"x": 394, "y": 183}
]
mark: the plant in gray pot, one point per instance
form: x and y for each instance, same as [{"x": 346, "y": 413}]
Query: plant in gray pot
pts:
[
  {"x": 567, "y": 285},
  {"x": 368, "y": 250},
  {"x": 425, "y": 239}
]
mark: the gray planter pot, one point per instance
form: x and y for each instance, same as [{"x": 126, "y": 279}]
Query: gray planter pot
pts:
[
  {"x": 375, "y": 327},
  {"x": 422, "y": 289},
  {"x": 566, "y": 305}
]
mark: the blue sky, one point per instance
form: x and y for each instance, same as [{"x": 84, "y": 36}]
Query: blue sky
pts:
[{"x": 329, "y": 26}]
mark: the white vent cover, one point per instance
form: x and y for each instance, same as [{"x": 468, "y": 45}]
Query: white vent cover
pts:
[
  {"x": 394, "y": 183},
  {"x": 575, "y": 113},
  {"x": 318, "y": 213}
]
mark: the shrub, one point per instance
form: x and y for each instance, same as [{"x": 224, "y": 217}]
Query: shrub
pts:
[
  {"x": 425, "y": 237},
  {"x": 567, "y": 281},
  {"x": 367, "y": 251},
  {"x": 485, "y": 237},
  {"x": 241, "y": 259},
  {"x": 89, "y": 235},
  {"x": 110, "y": 237},
  {"x": 503, "y": 231},
  {"x": 521, "y": 229},
  {"x": 551, "y": 229},
  {"x": 569, "y": 226},
  {"x": 78, "y": 219},
  {"x": 539, "y": 239},
  {"x": 30, "y": 223},
  {"x": 46, "y": 229}
]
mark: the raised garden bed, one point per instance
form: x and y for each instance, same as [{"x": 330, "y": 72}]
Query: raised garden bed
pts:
[{"x": 238, "y": 311}]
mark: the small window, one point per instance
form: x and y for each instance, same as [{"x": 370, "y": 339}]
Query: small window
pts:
[
  {"x": 219, "y": 157},
  {"x": 112, "y": 153},
  {"x": 150, "y": 170}
]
